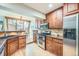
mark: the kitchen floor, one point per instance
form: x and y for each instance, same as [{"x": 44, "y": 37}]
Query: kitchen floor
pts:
[{"x": 32, "y": 50}]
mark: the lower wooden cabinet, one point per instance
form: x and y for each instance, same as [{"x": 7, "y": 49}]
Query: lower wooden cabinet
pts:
[
  {"x": 54, "y": 46},
  {"x": 22, "y": 41},
  {"x": 35, "y": 36},
  {"x": 49, "y": 44},
  {"x": 12, "y": 47},
  {"x": 15, "y": 43}
]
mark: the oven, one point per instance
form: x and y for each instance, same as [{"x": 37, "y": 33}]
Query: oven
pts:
[{"x": 41, "y": 39}]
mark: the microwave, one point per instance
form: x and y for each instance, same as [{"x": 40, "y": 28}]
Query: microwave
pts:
[{"x": 44, "y": 26}]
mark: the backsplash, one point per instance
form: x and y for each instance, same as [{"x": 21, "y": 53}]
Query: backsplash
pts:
[{"x": 57, "y": 32}]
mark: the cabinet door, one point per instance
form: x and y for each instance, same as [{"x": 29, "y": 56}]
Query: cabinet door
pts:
[
  {"x": 12, "y": 47},
  {"x": 22, "y": 42},
  {"x": 49, "y": 20},
  {"x": 58, "y": 49},
  {"x": 61, "y": 50},
  {"x": 59, "y": 20},
  {"x": 54, "y": 47},
  {"x": 54, "y": 20},
  {"x": 65, "y": 9},
  {"x": 49, "y": 44},
  {"x": 72, "y": 7},
  {"x": 34, "y": 38}
]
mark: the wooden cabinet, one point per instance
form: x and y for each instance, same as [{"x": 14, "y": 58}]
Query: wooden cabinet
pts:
[
  {"x": 49, "y": 20},
  {"x": 49, "y": 44},
  {"x": 12, "y": 46},
  {"x": 54, "y": 45},
  {"x": 55, "y": 19},
  {"x": 59, "y": 19},
  {"x": 35, "y": 32},
  {"x": 15, "y": 43},
  {"x": 58, "y": 43},
  {"x": 71, "y": 8},
  {"x": 22, "y": 41},
  {"x": 34, "y": 38}
]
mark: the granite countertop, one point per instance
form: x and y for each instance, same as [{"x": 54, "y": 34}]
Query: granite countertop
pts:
[{"x": 58, "y": 37}]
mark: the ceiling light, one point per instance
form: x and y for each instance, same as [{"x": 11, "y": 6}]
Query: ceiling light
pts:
[{"x": 50, "y": 5}]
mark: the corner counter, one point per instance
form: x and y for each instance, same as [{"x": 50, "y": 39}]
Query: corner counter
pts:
[{"x": 13, "y": 43}]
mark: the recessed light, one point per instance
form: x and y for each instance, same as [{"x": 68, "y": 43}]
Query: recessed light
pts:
[{"x": 50, "y": 5}]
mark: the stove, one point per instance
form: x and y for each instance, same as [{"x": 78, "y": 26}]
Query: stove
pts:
[{"x": 41, "y": 39}]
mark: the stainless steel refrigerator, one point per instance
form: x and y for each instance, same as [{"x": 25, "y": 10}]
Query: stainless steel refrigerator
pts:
[{"x": 70, "y": 33}]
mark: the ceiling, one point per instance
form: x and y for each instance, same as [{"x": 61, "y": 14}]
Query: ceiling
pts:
[
  {"x": 21, "y": 9},
  {"x": 44, "y": 7}
]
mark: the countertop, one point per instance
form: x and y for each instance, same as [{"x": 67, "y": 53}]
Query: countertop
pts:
[{"x": 58, "y": 37}]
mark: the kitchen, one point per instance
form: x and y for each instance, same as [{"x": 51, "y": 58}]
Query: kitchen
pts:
[{"x": 51, "y": 29}]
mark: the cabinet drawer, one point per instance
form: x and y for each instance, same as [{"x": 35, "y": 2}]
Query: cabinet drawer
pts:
[
  {"x": 58, "y": 41},
  {"x": 22, "y": 37},
  {"x": 22, "y": 41},
  {"x": 12, "y": 47},
  {"x": 21, "y": 45},
  {"x": 11, "y": 40}
]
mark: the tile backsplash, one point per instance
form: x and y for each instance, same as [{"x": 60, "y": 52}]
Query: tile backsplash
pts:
[{"x": 57, "y": 32}]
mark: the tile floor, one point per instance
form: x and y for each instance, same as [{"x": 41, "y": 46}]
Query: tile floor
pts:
[{"x": 32, "y": 50}]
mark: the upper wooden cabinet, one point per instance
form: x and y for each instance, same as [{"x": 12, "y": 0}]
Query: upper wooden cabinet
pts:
[
  {"x": 71, "y": 8},
  {"x": 59, "y": 18},
  {"x": 49, "y": 20},
  {"x": 55, "y": 19}
]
